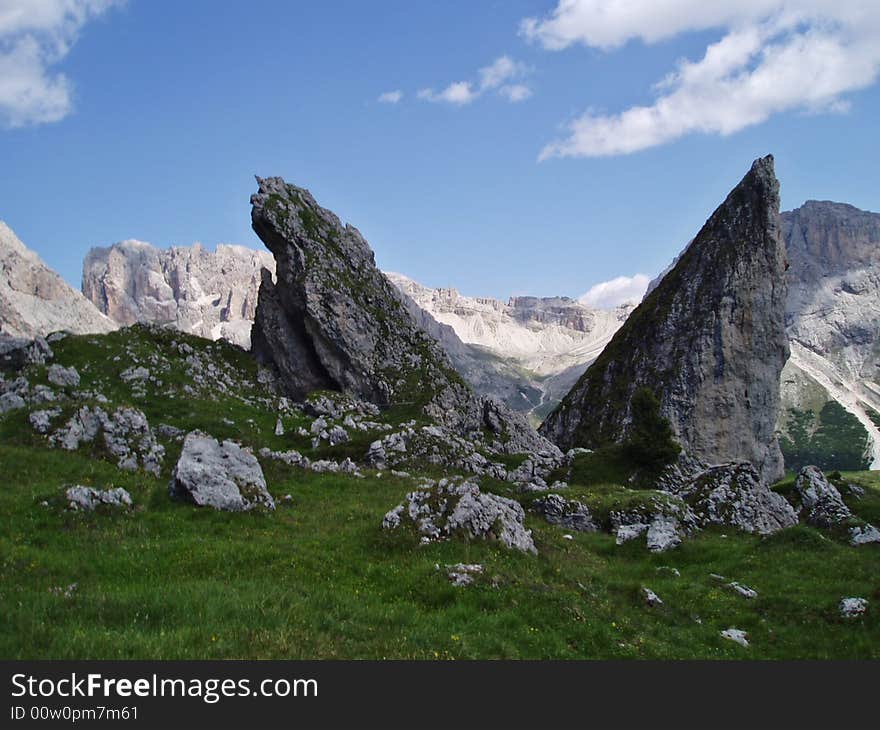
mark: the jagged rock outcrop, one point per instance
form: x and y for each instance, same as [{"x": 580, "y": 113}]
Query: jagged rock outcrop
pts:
[
  {"x": 709, "y": 340},
  {"x": 209, "y": 294},
  {"x": 819, "y": 499},
  {"x": 566, "y": 513},
  {"x": 449, "y": 508},
  {"x": 830, "y": 387},
  {"x": 334, "y": 321},
  {"x": 35, "y": 301}
]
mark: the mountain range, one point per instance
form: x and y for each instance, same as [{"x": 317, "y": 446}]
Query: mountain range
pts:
[{"x": 527, "y": 352}]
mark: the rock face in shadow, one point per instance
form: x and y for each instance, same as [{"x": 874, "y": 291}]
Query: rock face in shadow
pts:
[
  {"x": 709, "y": 341},
  {"x": 332, "y": 320}
]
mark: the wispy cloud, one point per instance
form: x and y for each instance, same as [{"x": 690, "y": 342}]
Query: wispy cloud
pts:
[
  {"x": 613, "y": 293},
  {"x": 390, "y": 97},
  {"x": 458, "y": 92},
  {"x": 774, "y": 56},
  {"x": 497, "y": 76},
  {"x": 36, "y": 35},
  {"x": 515, "y": 92}
]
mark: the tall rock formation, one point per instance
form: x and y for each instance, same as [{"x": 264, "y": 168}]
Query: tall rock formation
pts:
[
  {"x": 34, "y": 300},
  {"x": 209, "y": 294},
  {"x": 709, "y": 340},
  {"x": 334, "y": 321}
]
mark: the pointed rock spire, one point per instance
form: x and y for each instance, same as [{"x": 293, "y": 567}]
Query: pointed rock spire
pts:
[{"x": 709, "y": 341}]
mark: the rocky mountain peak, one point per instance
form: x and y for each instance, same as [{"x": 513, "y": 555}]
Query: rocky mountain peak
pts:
[
  {"x": 825, "y": 238},
  {"x": 209, "y": 294},
  {"x": 34, "y": 300},
  {"x": 833, "y": 323},
  {"x": 709, "y": 340}
]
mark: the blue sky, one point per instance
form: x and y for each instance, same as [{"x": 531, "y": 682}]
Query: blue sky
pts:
[{"x": 166, "y": 110}]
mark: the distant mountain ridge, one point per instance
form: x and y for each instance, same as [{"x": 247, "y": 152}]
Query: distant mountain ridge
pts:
[
  {"x": 527, "y": 351},
  {"x": 833, "y": 323},
  {"x": 205, "y": 293},
  {"x": 34, "y": 300}
]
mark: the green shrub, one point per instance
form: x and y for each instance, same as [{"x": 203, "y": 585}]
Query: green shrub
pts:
[{"x": 650, "y": 444}]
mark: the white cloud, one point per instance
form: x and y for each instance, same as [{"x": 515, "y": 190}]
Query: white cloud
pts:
[
  {"x": 622, "y": 290},
  {"x": 515, "y": 92},
  {"x": 458, "y": 92},
  {"x": 500, "y": 71},
  {"x": 494, "y": 77},
  {"x": 774, "y": 56},
  {"x": 390, "y": 97},
  {"x": 35, "y": 35}
]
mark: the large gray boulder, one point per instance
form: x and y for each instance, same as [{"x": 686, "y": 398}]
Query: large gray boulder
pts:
[
  {"x": 709, "y": 341},
  {"x": 333, "y": 321},
  {"x": 219, "y": 475},
  {"x": 11, "y": 402}
]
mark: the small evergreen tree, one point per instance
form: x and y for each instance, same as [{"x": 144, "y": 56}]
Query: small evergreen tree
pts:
[{"x": 650, "y": 444}]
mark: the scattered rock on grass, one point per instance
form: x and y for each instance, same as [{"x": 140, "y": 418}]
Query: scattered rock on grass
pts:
[
  {"x": 675, "y": 572},
  {"x": 127, "y": 435},
  {"x": 462, "y": 574},
  {"x": 744, "y": 591},
  {"x": 651, "y": 598},
  {"x": 852, "y": 607},
  {"x": 736, "y": 635},
  {"x": 88, "y": 499},
  {"x": 864, "y": 534},
  {"x": 62, "y": 376}
]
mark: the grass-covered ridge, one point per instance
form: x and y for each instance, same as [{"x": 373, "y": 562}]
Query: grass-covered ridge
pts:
[{"x": 319, "y": 578}]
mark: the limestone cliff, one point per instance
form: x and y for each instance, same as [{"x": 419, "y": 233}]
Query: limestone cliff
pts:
[
  {"x": 834, "y": 328},
  {"x": 34, "y": 300},
  {"x": 210, "y": 294}
]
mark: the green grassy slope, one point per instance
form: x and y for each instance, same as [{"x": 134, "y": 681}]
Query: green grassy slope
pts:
[{"x": 319, "y": 578}]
